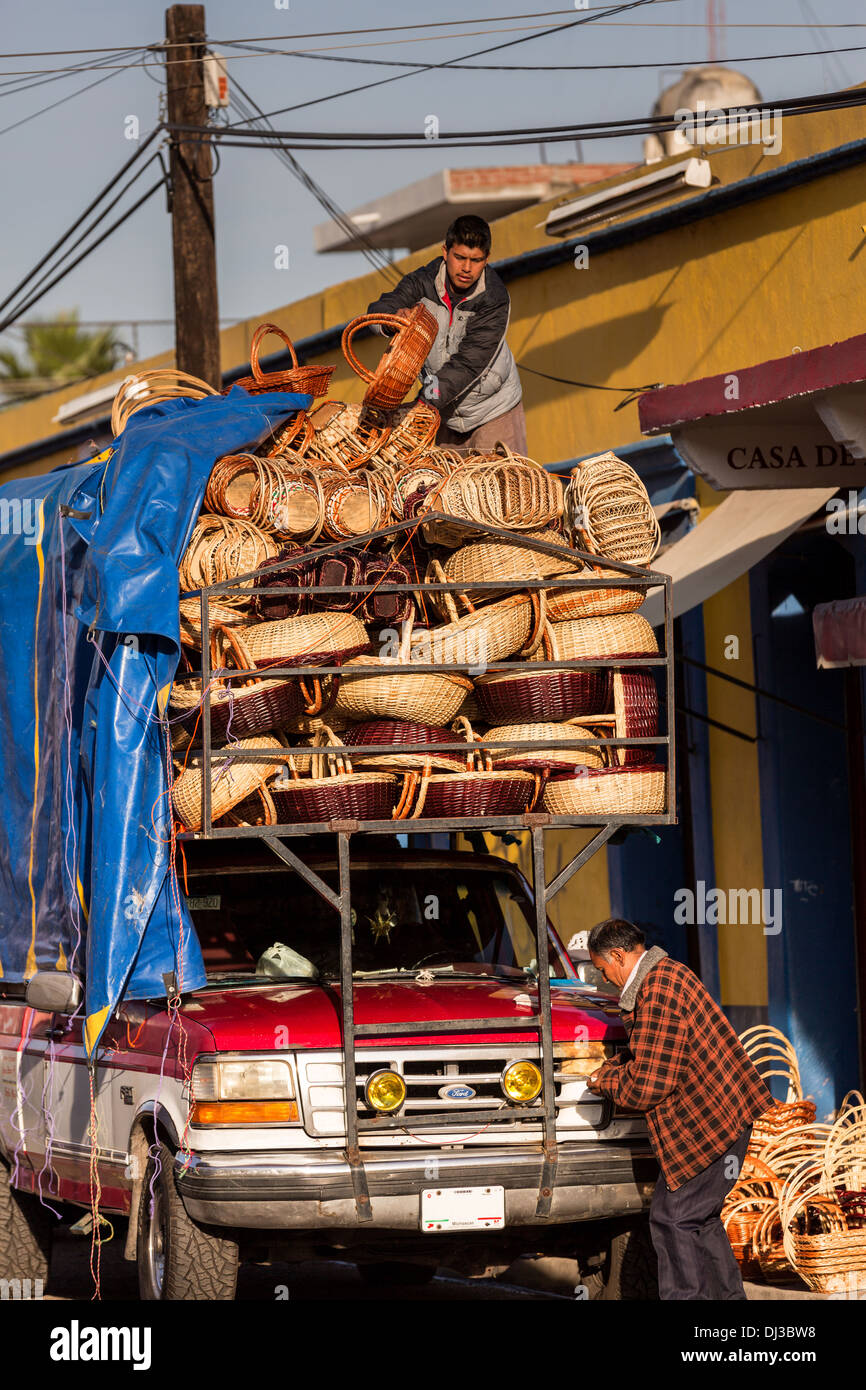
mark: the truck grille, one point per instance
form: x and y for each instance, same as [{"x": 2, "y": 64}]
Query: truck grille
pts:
[{"x": 426, "y": 1071}]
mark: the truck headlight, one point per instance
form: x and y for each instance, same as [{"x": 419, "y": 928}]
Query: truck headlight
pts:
[
  {"x": 385, "y": 1091},
  {"x": 521, "y": 1082},
  {"x": 246, "y": 1092}
]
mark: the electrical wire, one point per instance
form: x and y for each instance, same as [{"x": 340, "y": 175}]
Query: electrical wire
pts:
[
  {"x": 94, "y": 203},
  {"x": 25, "y": 120},
  {"x": 62, "y": 274},
  {"x": 642, "y": 125},
  {"x": 479, "y": 53},
  {"x": 458, "y": 66},
  {"x": 372, "y": 254}
]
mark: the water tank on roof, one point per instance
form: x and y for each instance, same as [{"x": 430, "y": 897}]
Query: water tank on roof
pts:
[{"x": 715, "y": 87}]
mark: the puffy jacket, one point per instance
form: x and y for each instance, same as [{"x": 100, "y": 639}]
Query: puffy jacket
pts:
[{"x": 470, "y": 375}]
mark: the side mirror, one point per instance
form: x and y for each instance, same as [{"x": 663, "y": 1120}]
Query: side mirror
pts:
[{"x": 53, "y": 991}]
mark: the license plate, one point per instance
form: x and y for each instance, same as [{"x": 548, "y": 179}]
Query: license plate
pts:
[{"x": 462, "y": 1208}]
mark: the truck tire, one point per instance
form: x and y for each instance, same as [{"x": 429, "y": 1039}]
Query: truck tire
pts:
[
  {"x": 25, "y": 1233},
  {"x": 178, "y": 1260},
  {"x": 631, "y": 1269}
]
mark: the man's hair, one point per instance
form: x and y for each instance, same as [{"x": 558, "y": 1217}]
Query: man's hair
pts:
[
  {"x": 615, "y": 934},
  {"x": 469, "y": 231}
]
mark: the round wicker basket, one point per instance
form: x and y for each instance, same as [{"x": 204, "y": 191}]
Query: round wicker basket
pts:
[
  {"x": 149, "y": 388},
  {"x": 619, "y": 791},
  {"x": 608, "y": 507},
  {"x": 402, "y": 359},
  {"x": 231, "y": 783}
]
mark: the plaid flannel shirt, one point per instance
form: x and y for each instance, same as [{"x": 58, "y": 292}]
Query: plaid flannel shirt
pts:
[{"x": 688, "y": 1071}]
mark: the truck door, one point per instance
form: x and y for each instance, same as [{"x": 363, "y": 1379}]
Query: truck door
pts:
[{"x": 23, "y": 1043}]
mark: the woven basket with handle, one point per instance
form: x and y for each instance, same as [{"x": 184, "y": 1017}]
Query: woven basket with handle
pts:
[
  {"x": 477, "y": 793},
  {"x": 345, "y": 435},
  {"x": 636, "y": 714},
  {"x": 609, "y": 791},
  {"x": 310, "y": 640},
  {"x": 413, "y": 429},
  {"x": 583, "y": 639},
  {"x": 548, "y": 756},
  {"x": 542, "y": 697},
  {"x": 404, "y": 735},
  {"x": 421, "y": 698},
  {"x": 416, "y": 487},
  {"x": 150, "y": 387},
  {"x": 488, "y": 560},
  {"x": 608, "y": 507},
  {"x": 231, "y": 782},
  {"x": 219, "y": 550},
  {"x": 402, "y": 359},
  {"x": 357, "y": 504},
  {"x": 514, "y": 624},
  {"x": 514, "y": 493},
  {"x": 308, "y": 381},
  {"x": 563, "y": 604}
]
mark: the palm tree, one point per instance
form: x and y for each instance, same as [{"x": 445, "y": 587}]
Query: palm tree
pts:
[{"x": 57, "y": 352}]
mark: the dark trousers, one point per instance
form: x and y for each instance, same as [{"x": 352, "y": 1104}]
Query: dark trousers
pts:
[{"x": 695, "y": 1258}]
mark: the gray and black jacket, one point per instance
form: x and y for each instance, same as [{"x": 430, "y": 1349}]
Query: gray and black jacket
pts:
[{"x": 470, "y": 375}]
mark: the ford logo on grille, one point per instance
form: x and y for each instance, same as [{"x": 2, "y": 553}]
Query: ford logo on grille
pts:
[{"x": 456, "y": 1092}]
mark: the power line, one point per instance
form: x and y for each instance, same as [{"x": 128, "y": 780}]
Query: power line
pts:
[
  {"x": 372, "y": 254},
  {"x": 22, "y": 285},
  {"x": 25, "y": 120},
  {"x": 457, "y": 65},
  {"x": 61, "y": 275},
  {"x": 479, "y": 53},
  {"x": 640, "y": 125}
]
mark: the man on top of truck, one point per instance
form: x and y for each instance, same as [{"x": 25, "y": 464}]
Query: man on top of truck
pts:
[{"x": 470, "y": 375}]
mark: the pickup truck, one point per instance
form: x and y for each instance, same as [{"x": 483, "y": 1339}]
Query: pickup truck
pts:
[{"x": 219, "y": 1119}]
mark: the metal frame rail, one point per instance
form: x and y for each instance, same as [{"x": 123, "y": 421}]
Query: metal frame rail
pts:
[{"x": 539, "y": 1021}]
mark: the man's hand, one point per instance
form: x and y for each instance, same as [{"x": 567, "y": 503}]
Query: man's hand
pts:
[{"x": 592, "y": 1082}]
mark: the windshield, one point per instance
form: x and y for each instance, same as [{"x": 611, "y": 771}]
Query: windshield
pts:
[{"x": 450, "y": 920}]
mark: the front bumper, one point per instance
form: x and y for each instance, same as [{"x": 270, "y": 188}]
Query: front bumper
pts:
[{"x": 314, "y": 1192}]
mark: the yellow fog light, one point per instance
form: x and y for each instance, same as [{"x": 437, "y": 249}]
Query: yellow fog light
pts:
[
  {"x": 385, "y": 1091},
  {"x": 521, "y": 1082}
]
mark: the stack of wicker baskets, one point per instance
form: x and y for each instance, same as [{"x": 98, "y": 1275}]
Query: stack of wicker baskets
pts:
[
  {"x": 798, "y": 1209},
  {"x": 499, "y": 531}
]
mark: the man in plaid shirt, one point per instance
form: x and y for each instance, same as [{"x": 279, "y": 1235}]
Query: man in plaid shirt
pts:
[{"x": 688, "y": 1072}]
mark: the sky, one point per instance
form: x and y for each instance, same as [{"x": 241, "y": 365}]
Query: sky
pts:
[{"x": 52, "y": 164}]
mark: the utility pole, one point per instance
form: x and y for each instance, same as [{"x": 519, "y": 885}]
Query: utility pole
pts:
[{"x": 196, "y": 311}]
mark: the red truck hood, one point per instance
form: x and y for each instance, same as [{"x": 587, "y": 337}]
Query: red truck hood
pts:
[{"x": 260, "y": 1017}]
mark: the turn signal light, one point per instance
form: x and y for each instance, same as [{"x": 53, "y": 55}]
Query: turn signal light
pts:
[{"x": 244, "y": 1112}]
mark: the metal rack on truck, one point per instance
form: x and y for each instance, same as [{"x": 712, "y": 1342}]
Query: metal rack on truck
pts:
[{"x": 281, "y": 838}]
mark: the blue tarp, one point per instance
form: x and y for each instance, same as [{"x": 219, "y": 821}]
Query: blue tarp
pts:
[{"x": 89, "y": 645}]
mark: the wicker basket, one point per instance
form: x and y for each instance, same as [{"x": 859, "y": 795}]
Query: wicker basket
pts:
[
  {"x": 827, "y": 1252},
  {"x": 315, "y": 639},
  {"x": 544, "y": 759},
  {"x": 308, "y": 381},
  {"x": 772, "y": 1054},
  {"x": 356, "y": 505},
  {"x": 402, "y": 359},
  {"x": 584, "y": 639},
  {"x": 289, "y": 568},
  {"x": 402, "y": 734},
  {"x": 542, "y": 697},
  {"x": 608, "y": 507},
  {"x": 417, "y": 487},
  {"x": 412, "y": 431},
  {"x": 149, "y": 388},
  {"x": 483, "y": 562},
  {"x": 296, "y": 435},
  {"x": 254, "y": 707},
  {"x": 422, "y": 698},
  {"x": 220, "y": 550},
  {"x": 563, "y": 604},
  {"x": 339, "y": 797},
  {"x": 231, "y": 783},
  {"x": 189, "y": 611},
  {"x": 475, "y": 793},
  {"x": 514, "y": 493},
  {"x": 610, "y": 791},
  {"x": 345, "y": 435},
  {"x": 493, "y": 633},
  {"x": 636, "y": 712}
]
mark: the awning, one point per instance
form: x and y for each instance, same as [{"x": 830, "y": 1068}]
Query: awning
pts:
[
  {"x": 793, "y": 422},
  {"x": 840, "y": 632},
  {"x": 737, "y": 534}
]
